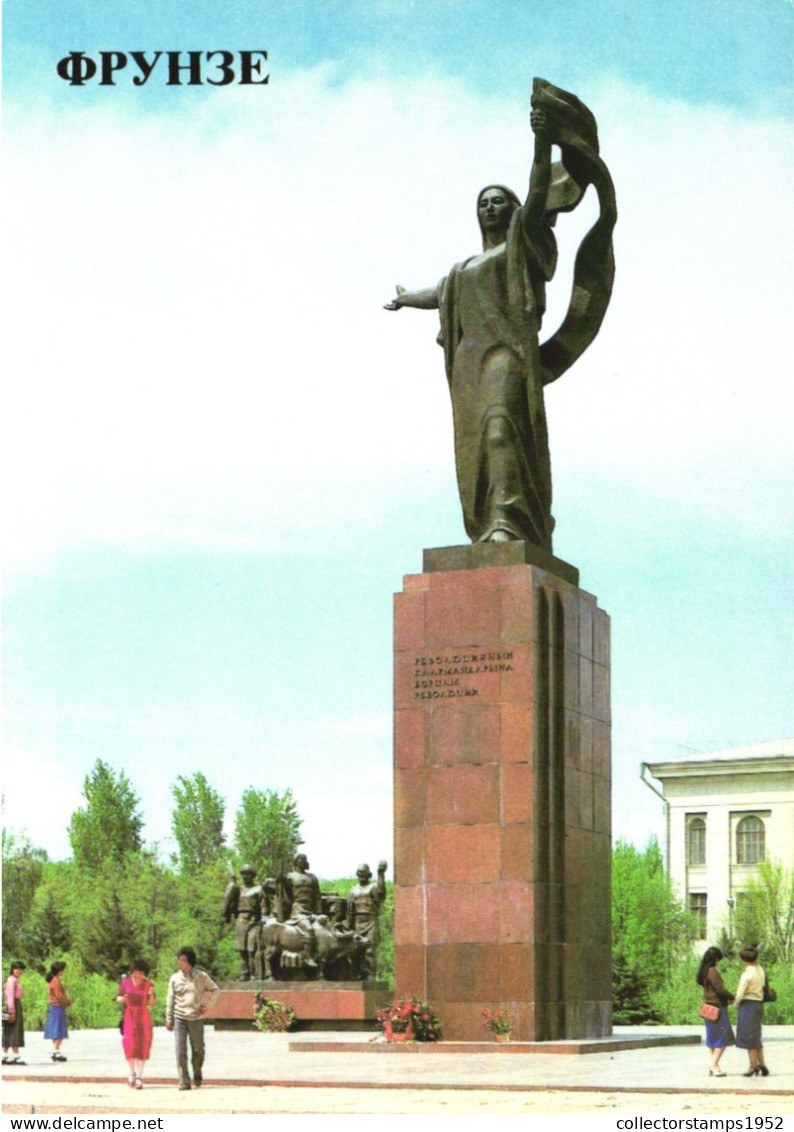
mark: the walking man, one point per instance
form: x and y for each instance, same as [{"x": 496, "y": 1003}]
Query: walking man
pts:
[{"x": 191, "y": 992}]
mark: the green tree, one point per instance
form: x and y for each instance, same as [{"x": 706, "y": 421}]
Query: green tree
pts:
[
  {"x": 197, "y": 822},
  {"x": 50, "y": 931},
  {"x": 22, "y": 871},
  {"x": 109, "y": 826},
  {"x": 765, "y": 912},
  {"x": 267, "y": 830},
  {"x": 651, "y": 929}
]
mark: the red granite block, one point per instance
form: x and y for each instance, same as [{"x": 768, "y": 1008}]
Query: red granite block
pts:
[
  {"x": 572, "y": 723},
  {"x": 518, "y": 972},
  {"x": 586, "y": 818},
  {"x": 602, "y": 749},
  {"x": 458, "y": 970},
  {"x": 518, "y": 783},
  {"x": 525, "y": 1021},
  {"x": 410, "y": 970},
  {"x": 601, "y": 705},
  {"x": 410, "y": 795},
  {"x": 409, "y": 737},
  {"x": 465, "y": 606},
  {"x": 517, "y": 597},
  {"x": 409, "y": 913},
  {"x": 585, "y": 686},
  {"x": 409, "y": 855},
  {"x": 602, "y": 804},
  {"x": 457, "y": 854},
  {"x": 576, "y": 920},
  {"x": 517, "y": 724},
  {"x": 585, "y": 727},
  {"x": 321, "y": 1002},
  {"x": 462, "y": 913},
  {"x": 416, "y": 582},
  {"x": 586, "y": 627},
  {"x": 462, "y": 795},
  {"x": 600, "y": 982},
  {"x": 571, "y": 796},
  {"x": 518, "y": 679},
  {"x": 571, "y": 680},
  {"x": 576, "y": 975},
  {"x": 518, "y": 851},
  {"x": 571, "y": 602},
  {"x": 601, "y": 635},
  {"x": 409, "y": 620},
  {"x": 463, "y": 732},
  {"x": 461, "y": 1021},
  {"x": 405, "y": 680},
  {"x": 516, "y": 912},
  {"x": 467, "y": 583}
]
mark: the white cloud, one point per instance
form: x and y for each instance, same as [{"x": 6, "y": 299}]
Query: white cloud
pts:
[{"x": 39, "y": 797}]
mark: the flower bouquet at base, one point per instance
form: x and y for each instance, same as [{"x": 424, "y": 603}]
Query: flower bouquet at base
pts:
[
  {"x": 409, "y": 1020},
  {"x": 272, "y": 1016},
  {"x": 498, "y": 1022}
]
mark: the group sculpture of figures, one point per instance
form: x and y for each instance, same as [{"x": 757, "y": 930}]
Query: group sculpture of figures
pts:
[{"x": 286, "y": 928}]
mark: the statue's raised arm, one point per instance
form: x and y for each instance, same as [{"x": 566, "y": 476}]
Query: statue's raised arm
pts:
[{"x": 491, "y": 307}]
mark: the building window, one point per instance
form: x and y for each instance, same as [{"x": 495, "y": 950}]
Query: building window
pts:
[
  {"x": 750, "y": 841},
  {"x": 698, "y": 906},
  {"x": 696, "y": 842}
]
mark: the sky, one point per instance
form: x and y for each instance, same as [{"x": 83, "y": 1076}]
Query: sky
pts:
[{"x": 222, "y": 455}]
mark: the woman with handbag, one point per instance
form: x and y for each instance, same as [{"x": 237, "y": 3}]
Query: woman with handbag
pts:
[
  {"x": 13, "y": 1015},
  {"x": 750, "y": 1004},
  {"x": 55, "y": 1028},
  {"x": 714, "y": 1009}
]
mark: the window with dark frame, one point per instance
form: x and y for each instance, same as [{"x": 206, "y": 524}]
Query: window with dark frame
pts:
[
  {"x": 698, "y": 906},
  {"x": 696, "y": 841},
  {"x": 750, "y": 841}
]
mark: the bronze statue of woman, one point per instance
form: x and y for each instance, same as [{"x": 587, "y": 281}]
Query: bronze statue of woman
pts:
[{"x": 491, "y": 307}]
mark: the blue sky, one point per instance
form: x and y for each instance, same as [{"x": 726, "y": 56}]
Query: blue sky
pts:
[{"x": 225, "y": 455}]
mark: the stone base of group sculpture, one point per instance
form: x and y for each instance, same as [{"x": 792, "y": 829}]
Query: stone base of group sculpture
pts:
[
  {"x": 319, "y": 1005},
  {"x": 502, "y": 794}
]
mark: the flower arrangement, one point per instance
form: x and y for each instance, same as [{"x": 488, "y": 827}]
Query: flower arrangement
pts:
[
  {"x": 409, "y": 1019},
  {"x": 271, "y": 1016},
  {"x": 497, "y": 1021}
]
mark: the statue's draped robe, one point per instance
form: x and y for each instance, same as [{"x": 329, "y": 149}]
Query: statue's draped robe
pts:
[
  {"x": 491, "y": 308},
  {"x": 490, "y": 314}
]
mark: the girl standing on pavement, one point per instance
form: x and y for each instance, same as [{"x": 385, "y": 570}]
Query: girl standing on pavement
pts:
[
  {"x": 13, "y": 1015},
  {"x": 750, "y": 1003},
  {"x": 719, "y": 1032},
  {"x": 137, "y": 995},
  {"x": 55, "y": 1029}
]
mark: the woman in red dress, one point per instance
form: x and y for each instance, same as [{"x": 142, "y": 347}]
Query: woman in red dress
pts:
[{"x": 137, "y": 995}]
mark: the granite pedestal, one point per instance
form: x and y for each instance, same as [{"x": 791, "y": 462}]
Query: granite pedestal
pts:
[
  {"x": 317, "y": 1005},
  {"x": 502, "y": 793}
]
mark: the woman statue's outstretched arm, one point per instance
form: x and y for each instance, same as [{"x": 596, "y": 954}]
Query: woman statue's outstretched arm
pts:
[{"x": 426, "y": 300}]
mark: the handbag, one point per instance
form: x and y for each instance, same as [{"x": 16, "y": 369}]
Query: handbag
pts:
[
  {"x": 770, "y": 994},
  {"x": 710, "y": 1013}
]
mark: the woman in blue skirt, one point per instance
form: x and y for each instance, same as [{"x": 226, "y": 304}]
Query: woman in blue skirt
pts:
[
  {"x": 750, "y": 1003},
  {"x": 719, "y": 1034},
  {"x": 55, "y": 1029}
]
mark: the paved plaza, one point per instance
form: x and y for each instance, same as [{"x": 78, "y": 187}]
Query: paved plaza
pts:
[{"x": 258, "y": 1073}]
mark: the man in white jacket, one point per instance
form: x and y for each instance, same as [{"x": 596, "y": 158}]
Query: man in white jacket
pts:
[{"x": 191, "y": 992}]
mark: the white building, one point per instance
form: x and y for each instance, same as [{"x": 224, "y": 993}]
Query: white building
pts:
[{"x": 725, "y": 812}]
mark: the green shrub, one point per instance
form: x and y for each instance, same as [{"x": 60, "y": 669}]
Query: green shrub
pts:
[{"x": 676, "y": 998}]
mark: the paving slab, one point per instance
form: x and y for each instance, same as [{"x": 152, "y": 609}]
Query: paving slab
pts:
[{"x": 252, "y": 1072}]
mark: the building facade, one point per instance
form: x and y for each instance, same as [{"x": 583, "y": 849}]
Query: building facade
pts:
[{"x": 726, "y": 812}]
